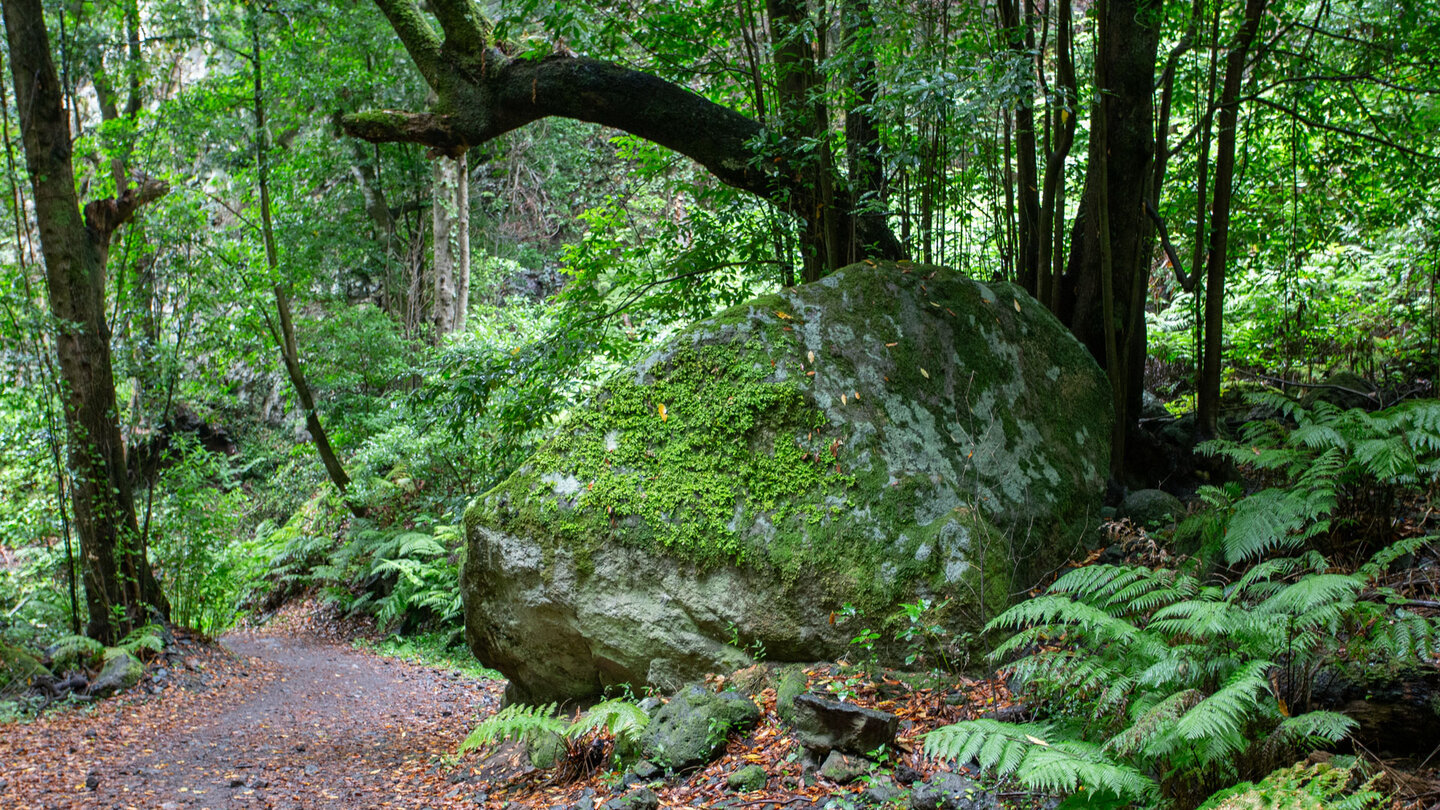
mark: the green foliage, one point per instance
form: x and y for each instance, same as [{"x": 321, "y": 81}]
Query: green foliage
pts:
[
  {"x": 1302, "y": 787},
  {"x": 148, "y": 637},
  {"x": 515, "y": 722},
  {"x": 614, "y": 723},
  {"x": 1339, "y": 473},
  {"x": 197, "y": 541},
  {"x": 76, "y": 652},
  {"x": 1161, "y": 688},
  {"x": 618, "y": 718}
]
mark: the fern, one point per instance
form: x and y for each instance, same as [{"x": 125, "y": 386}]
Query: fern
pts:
[
  {"x": 1340, "y": 472},
  {"x": 150, "y": 637},
  {"x": 617, "y": 717},
  {"x": 77, "y": 651},
  {"x": 1153, "y": 673},
  {"x": 515, "y": 722},
  {"x": 1022, "y": 751}
]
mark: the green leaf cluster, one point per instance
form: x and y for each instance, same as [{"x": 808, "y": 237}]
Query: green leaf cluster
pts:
[
  {"x": 1337, "y": 475},
  {"x": 1160, "y": 688}
]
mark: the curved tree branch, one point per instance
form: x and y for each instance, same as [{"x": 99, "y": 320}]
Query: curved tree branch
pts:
[{"x": 484, "y": 93}]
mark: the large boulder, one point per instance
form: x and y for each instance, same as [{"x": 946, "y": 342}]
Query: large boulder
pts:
[{"x": 890, "y": 432}]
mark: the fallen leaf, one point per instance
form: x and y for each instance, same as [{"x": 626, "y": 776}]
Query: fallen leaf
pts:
[
  {"x": 663, "y": 415},
  {"x": 842, "y": 399},
  {"x": 1017, "y": 304},
  {"x": 890, "y": 345},
  {"x": 780, "y": 314},
  {"x": 1037, "y": 741},
  {"x": 925, "y": 373},
  {"x": 857, "y": 396},
  {"x": 811, "y": 355}
]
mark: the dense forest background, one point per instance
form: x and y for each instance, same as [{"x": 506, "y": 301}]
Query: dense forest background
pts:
[{"x": 323, "y": 345}]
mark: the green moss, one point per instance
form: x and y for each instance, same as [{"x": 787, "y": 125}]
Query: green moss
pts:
[{"x": 860, "y": 437}]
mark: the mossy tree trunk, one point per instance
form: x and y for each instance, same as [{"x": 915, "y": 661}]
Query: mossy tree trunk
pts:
[{"x": 121, "y": 591}]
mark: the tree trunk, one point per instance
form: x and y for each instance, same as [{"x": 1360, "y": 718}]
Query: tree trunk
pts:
[
  {"x": 450, "y": 212},
  {"x": 442, "y": 217},
  {"x": 462, "y": 242},
  {"x": 121, "y": 591},
  {"x": 1128, "y": 49},
  {"x": 1020, "y": 38},
  {"x": 1208, "y": 401},
  {"x": 862, "y": 136},
  {"x": 284, "y": 332}
]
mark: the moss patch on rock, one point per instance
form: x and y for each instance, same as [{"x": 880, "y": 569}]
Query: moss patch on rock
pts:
[{"x": 890, "y": 432}]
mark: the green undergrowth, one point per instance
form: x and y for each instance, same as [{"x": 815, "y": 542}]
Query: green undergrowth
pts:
[{"x": 432, "y": 649}]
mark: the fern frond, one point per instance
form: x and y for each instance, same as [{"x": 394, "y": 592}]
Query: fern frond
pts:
[
  {"x": 1380, "y": 563},
  {"x": 150, "y": 637},
  {"x": 1146, "y": 729},
  {"x": 1069, "y": 767},
  {"x": 993, "y": 745},
  {"x": 1265, "y": 521},
  {"x": 1314, "y": 729},
  {"x": 514, "y": 722},
  {"x": 82, "y": 650},
  {"x": 1223, "y": 714},
  {"x": 1101, "y": 626},
  {"x": 620, "y": 718},
  {"x": 1311, "y": 592}
]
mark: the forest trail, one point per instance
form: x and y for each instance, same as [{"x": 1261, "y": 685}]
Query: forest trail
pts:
[{"x": 278, "y": 721}]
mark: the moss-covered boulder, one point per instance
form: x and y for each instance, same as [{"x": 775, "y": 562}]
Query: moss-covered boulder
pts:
[
  {"x": 890, "y": 432},
  {"x": 18, "y": 667}
]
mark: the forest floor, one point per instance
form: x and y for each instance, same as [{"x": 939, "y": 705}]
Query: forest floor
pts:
[
  {"x": 290, "y": 715},
  {"x": 282, "y": 717}
]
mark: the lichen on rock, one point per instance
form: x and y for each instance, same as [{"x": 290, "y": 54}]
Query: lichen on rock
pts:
[{"x": 890, "y": 432}]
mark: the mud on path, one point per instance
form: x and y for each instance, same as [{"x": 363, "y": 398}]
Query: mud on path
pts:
[{"x": 270, "y": 720}]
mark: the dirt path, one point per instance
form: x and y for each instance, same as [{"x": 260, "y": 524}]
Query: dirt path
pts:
[{"x": 278, "y": 722}]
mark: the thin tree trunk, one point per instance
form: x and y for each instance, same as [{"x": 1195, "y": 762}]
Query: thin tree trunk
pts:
[
  {"x": 462, "y": 241},
  {"x": 121, "y": 590},
  {"x": 443, "y": 214},
  {"x": 1208, "y": 405},
  {"x": 284, "y": 333}
]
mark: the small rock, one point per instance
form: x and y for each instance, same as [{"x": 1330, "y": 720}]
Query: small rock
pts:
[
  {"x": 692, "y": 728},
  {"x": 1152, "y": 508},
  {"x": 639, "y": 799},
  {"x": 949, "y": 791},
  {"x": 842, "y": 769},
  {"x": 92, "y": 780},
  {"x": 645, "y": 769},
  {"x": 237, "y": 782},
  {"x": 586, "y": 800},
  {"x": 882, "y": 791},
  {"x": 906, "y": 775},
  {"x": 823, "y": 725},
  {"x": 748, "y": 778},
  {"x": 122, "y": 671},
  {"x": 545, "y": 750},
  {"x": 257, "y": 783}
]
